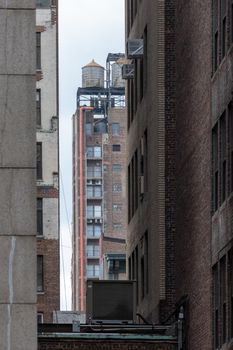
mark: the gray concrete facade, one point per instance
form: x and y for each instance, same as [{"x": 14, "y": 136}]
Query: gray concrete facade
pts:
[{"x": 17, "y": 176}]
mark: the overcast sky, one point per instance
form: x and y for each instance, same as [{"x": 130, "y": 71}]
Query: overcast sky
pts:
[{"x": 87, "y": 29}]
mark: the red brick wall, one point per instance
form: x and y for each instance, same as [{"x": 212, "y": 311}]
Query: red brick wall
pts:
[{"x": 49, "y": 300}]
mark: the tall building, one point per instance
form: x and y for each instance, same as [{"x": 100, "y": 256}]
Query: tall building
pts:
[
  {"x": 151, "y": 155},
  {"x": 17, "y": 177},
  {"x": 192, "y": 148},
  {"x": 48, "y": 289},
  {"x": 99, "y": 191}
]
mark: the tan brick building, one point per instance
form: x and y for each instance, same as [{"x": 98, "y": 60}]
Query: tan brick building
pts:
[{"x": 48, "y": 286}]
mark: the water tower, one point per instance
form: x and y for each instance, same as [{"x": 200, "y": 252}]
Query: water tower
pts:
[{"x": 92, "y": 75}]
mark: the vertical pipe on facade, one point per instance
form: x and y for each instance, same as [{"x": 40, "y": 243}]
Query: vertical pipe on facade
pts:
[{"x": 82, "y": 216}]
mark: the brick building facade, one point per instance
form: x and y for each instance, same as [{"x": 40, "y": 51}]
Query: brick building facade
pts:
[
  {"x": 48, "y": 286},
  {"x": 151, "y": 157},
  {"x": 99, "y": 191},
  {"x": 187, "y": 104}
]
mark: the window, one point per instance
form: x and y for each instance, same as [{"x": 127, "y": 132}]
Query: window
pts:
[
  {"x": 116, "y": 168},
  {"x": 39, "y": 160},
  {"x": 88, "y": 128},
  {"x": 94, "y": 191},
  {"x": 42, "y": 3},
  {"x": 117, "y": 187},
  {"x": 38, "y": 50},
  {"x": 38, "y": 108},
  {"x": 116, "y": 148},
  {"x": 215, "y": 167},
  {"x": 216, "y": 306},
  {"x": 94, "y": 171},
  {"x": 230, "y": 294},
  {"x": 117, "y": 207},
  {"x": 39, "y": 216},
  {"x": 94, "y": 230},
  {"x": 92, "y": 251},
  {"x": 94, "y": 152},
  {"x": 215, "y": 34},
  {"x": 223, "y": 174},
  {"x": 93, "y": 271},
  {"x": 97, "y": 152},
  {"x": 223, "y": 299},
  {"x": 40, "y": 317},
  {"x": 115, "y": 129},
  {"x": 223, "y": 26},
  {"x": 40, "y": 274},
  {"x": 230, "y": 138},
  {"x": 117, "y": 226},
  {"x": 94, "y": 211}
]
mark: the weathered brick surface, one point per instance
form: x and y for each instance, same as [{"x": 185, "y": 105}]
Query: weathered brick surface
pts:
[
  {"x": 193, "y": 132},
  {"x": 49, "y": 300},
  {"x": 102, "y": 345}
]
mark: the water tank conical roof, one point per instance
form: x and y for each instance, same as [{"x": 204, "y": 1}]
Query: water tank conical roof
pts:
[{"x": 92, "y": 75}]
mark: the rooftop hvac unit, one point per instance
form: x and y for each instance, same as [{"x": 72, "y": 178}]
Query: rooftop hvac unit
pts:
[
  {"x": 111, "y": 301},
  {"x": 135, "y": 48},
  {"x": 128, "y": 71}
]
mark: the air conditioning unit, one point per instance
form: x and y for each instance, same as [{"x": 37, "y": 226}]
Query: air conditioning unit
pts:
[
  {"x": 111, "y": 301},
  {"x": 141, "y": 185},
  {"x": 89, "y": 221},
  {"x": 98, "y": 182},
  {"x": 135, "y": 48},
  {"x": 98, "y": 221},
  {"x": 127, "y": 71},
  {"x": 89, "y": 182}
]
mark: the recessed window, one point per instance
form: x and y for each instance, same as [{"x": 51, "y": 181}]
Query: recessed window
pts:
[
  {"x": 115, "y": 129},
  {"x": 117, "y": 207},
  {"x": 38, "y": 50},
  {"x": 93, "y": 270},
  {"x": 116, "y": 148},
  {"x": 39, "y": 217},
  {"x": 38, "y": 108},
  {"x": 117, "y": 187},
  {"x": 40, "y": 273},
  {"x": 116, "y": 168},
  {"x": 117, "y": 226},
  {"x": 39, "y": 160}
]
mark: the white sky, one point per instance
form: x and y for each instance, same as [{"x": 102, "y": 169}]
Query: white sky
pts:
[{"x": 87, "y": 29}]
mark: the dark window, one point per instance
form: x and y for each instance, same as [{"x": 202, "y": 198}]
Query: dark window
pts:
[
  {"x": 216, "y": 306},
  {"x": 136, "y": 270},
  {"x": 146, "y": 262},
  {"x": 215, "y": 34},
  {"x": 40, "y": 317},
  {"x": 223, "y": 299},
  {"x": 39, "y": 160},
  {"x": 230, "y": 138},
  {"x": 40, "y": 274},
  {"x": 39, "y": 216},
  {"x": 223, "y": 156},
  {"x": 215, "y": 167},
  {"x": 230, "y": 292},
  {"x": 38, "y": 50},
  {"x": 224, "y": 35},
  {"x": 142, "y": 277},
  {"x": 38, "y": 108},
  {"x": 42, "y": 3},
  {"x": 116, "y": 148}
]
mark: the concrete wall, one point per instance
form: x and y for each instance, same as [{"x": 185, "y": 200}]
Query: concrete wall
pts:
[{"x": 17, "y": 176}]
